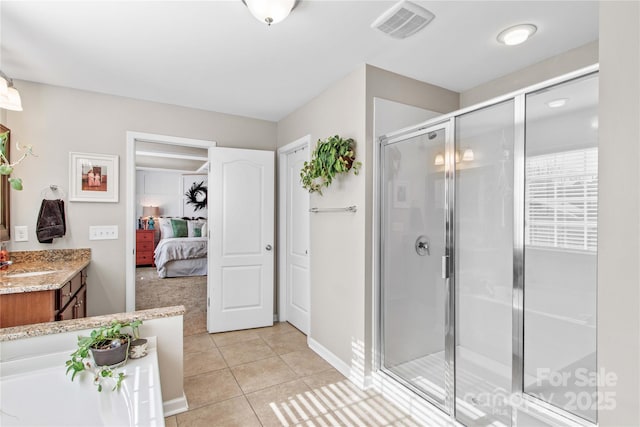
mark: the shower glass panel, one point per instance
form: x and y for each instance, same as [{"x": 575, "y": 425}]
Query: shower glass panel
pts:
[
  {"x": 413, "y": 243},
  {"x": 560, "y": 242},
  {"x": 484, "y": 264}
]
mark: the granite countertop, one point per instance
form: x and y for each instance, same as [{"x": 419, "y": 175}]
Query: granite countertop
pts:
[
  {"x": 49, "y": 328},
  {"x": 60, "y": 264}
]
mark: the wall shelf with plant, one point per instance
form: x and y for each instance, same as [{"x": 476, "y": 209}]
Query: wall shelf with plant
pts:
[{"x": 331, "y": 157}]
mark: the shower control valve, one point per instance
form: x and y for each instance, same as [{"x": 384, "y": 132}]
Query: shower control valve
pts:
[{"x": 422, "y": 246}]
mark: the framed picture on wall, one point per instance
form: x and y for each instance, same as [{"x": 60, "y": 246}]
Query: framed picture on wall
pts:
[
  {"x": 194, "y": 195},
  {"x": 93, "y": 177}
]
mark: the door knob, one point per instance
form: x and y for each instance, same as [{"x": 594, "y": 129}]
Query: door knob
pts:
[{"x": 268, "y": 247}]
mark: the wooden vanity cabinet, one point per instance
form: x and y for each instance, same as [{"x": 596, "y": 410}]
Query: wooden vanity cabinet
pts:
[
  {"x": 76, "y": 307},
  {"x": 25, "y": 308}
]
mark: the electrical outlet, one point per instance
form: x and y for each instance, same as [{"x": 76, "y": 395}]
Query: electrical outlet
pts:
[
  {"x": 21, "y": 233},
  {"x": 103, "y": 232}
]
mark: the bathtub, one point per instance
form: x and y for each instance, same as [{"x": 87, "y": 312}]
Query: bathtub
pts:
[{"x": 35, "y": 391}]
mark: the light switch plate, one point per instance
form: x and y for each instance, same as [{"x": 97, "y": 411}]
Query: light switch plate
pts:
[
  {"x": 103, "y": 232},
  {"x": 21, "y": 233}
]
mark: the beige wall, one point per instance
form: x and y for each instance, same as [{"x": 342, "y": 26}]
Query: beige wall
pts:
[
  {"x": 555, "y": 66},
  {"x": 59, "y": 120},
  {"x": 619, "y": 213},
  {"x": 337, "y": 241},
  {"x": 342, "y": 244}
]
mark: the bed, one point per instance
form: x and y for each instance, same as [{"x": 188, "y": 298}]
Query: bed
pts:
[{"x": 181, "y": 251}]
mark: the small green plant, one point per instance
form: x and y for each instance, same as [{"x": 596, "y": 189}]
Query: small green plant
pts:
[
  {"x": 332, "y": 156},
  {"x": 6, "y": 167},
  {"x": 101, "y": 338}
]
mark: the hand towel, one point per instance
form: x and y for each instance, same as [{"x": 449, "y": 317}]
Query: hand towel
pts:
[{"x": 51, "y": 221}]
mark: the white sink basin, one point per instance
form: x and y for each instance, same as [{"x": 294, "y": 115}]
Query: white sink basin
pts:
[{"x": 31, "y": 273}]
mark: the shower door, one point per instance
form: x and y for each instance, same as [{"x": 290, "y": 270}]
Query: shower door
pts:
[{"x": 413, "y": 246}]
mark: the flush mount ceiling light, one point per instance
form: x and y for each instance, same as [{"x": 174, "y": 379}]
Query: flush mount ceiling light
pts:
[
  {"x": 270, "y": 11},
  {"x": 557, "y": 103},
  {"x": 9, "y": 95},
  {"x": 517, "y": 34}
]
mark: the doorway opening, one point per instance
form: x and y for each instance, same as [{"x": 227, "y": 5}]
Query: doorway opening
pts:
[{"x": 167, "y": 236}]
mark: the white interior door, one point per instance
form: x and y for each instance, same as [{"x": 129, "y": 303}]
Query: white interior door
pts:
[
  {"x": 241, "y": 236},
  {"x": 297, "y": 243}
]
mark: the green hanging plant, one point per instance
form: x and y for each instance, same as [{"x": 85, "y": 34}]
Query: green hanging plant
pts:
[
  {"x": 332, "y": 156},
  {"x": 6, "y": 167}
]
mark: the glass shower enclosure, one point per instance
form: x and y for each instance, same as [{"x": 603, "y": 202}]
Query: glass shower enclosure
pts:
[{"x": 487, "y": 253}]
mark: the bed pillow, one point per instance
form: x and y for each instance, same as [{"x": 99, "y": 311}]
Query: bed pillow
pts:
[
  {"x": 166, "y": 231},
  {"x": 195, "y": 227},
  {"x": 204, "y": 229},
  {"x": 179, "y": 227}
]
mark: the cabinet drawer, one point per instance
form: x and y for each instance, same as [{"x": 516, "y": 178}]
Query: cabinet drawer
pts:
[
  {"x": 76, "y": 283},
  {"x": 144, "y": 236},
  {"x": 144, "y": 247},
  {"x": 63, "y": 295},
  {"x": 144, "y": 258}
]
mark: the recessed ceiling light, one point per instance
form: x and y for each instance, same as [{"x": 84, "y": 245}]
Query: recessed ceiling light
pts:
[
  {"x": 517, "y": 34},
  {"x": 557, "y": 103}
]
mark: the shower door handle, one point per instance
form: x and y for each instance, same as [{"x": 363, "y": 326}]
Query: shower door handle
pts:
[{"x": 445, "y": 266}]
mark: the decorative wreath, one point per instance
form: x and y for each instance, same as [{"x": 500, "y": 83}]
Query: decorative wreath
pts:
[{"x": 197, "y": 196}]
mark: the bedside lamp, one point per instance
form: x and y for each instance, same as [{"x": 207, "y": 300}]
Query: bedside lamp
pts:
[{"x": 150, "y": 212}]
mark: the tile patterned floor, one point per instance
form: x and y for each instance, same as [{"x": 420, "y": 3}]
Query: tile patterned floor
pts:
[{"x": 269, "y": 377}]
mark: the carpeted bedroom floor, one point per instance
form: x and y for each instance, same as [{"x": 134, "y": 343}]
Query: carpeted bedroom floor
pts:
[{"x": 153, "y": 292}]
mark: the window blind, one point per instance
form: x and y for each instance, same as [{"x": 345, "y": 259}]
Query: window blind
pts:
[{"x": 561, "y": 200}]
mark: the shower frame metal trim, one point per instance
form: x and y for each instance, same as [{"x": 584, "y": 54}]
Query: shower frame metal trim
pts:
[
  {"x": 517, "y": 309},
  {"x": 450, "y": 285}
]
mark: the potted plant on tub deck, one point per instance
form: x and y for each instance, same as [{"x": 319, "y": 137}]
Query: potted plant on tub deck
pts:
[{"x": 102, "y": 352}]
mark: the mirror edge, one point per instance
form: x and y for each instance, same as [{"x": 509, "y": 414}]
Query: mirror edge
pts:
[{"x": 5, "y": 196}]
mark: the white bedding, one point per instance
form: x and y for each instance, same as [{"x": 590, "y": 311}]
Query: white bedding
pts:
[{"x": 179, "y": 248}]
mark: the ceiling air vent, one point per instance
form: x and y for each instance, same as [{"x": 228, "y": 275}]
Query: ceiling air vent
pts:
[{"x": 404, "y": 19}]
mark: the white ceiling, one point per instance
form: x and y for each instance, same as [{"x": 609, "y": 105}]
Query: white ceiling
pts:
[{"x": 215, "y": 56}]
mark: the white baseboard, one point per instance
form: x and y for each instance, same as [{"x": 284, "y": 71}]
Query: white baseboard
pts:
[
  {"x": 339, "y": 364},
  {"x": 175, "y": 406}
]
